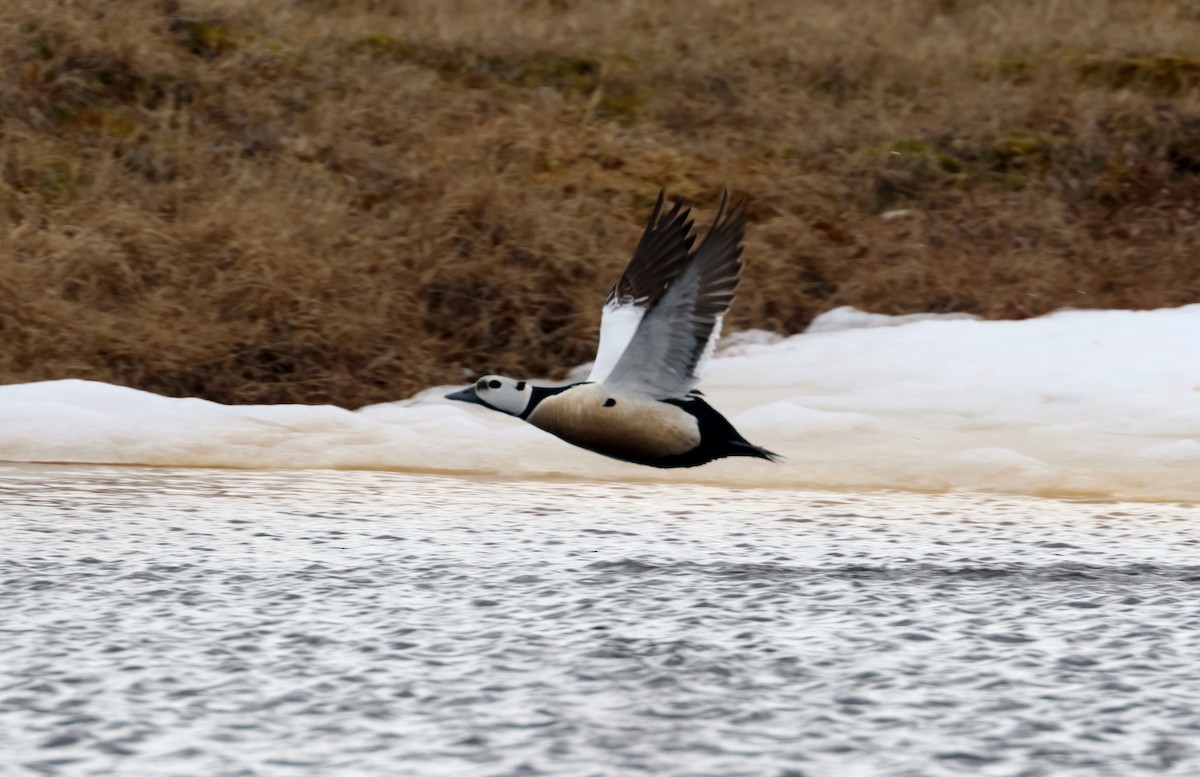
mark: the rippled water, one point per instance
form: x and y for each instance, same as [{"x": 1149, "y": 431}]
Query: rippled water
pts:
[{"x": 175, "y": 622}]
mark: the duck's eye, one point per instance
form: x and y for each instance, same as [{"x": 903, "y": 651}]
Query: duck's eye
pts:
[
  {"x": 481, "y": 385},
  {"x": 494, "y": 384},
  {"x": 610, "y": 402},
  {"x": 520, "y": 385}
]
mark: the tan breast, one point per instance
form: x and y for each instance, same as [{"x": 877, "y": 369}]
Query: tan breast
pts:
[{"x": 632, "y": 428}]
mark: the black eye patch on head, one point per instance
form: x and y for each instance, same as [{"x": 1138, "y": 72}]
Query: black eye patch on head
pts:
[
  {"x": 520, "y": 385},
  {"x": 481, "y": 384},
  {"x": 494, "y": 384}
]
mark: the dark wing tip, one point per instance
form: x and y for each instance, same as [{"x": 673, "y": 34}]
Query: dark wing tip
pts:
[
  {"x": 731, "y": 219},
  {"x": 662, "y": 193},
  {"x": 661, "y": 254},
  {"x": 720, "y": 253}
]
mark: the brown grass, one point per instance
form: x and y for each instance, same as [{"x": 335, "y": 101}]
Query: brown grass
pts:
[{"x": 347, "y": 200}]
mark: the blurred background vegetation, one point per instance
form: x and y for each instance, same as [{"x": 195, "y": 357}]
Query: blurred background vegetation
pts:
[{"x": 349, "y": 200}]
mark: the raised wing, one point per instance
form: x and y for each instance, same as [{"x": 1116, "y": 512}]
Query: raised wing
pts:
[
  {"x": 659, "y": 257},
  {"x": 677, "y": 329}
]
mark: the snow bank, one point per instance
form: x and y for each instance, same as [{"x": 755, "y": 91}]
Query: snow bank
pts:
[{"x": 1078, "y": 403}]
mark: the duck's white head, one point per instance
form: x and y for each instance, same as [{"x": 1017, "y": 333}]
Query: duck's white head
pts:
[{"x": 499, "y": 393}]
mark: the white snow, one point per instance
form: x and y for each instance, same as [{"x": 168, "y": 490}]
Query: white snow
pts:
[{"x": 1077, "y": 403}]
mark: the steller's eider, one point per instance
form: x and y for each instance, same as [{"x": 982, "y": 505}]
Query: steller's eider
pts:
[{"x": 639, "y": 404}]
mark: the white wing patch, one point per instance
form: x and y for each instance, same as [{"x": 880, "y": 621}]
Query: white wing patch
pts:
[
  {"x": 658, "y": 361},
  {"x": 618, "y": 324}
]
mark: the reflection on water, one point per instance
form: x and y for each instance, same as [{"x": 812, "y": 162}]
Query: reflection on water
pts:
[{"x": 316, "y": 623}]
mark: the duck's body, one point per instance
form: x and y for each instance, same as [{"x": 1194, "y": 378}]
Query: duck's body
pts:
[
  {"x": 634, "y": 429},
  {"x": 639, "y": 403}
]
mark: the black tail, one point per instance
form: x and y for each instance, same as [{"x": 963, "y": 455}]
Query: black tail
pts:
[
  {"x": 718, "y": 438},
  {"x": 741, "y": 447}
]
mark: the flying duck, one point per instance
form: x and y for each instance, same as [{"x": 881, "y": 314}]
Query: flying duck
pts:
[{"x": 661, "y": 319}]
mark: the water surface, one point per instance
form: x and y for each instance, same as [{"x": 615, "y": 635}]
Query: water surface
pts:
[{"x": 218, "y": 623}]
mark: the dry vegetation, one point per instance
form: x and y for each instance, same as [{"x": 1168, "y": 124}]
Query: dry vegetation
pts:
[{"x": 347, "y": 200}]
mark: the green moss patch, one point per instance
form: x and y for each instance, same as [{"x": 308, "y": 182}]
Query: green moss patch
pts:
[{"x": 1161, "y": 74}]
